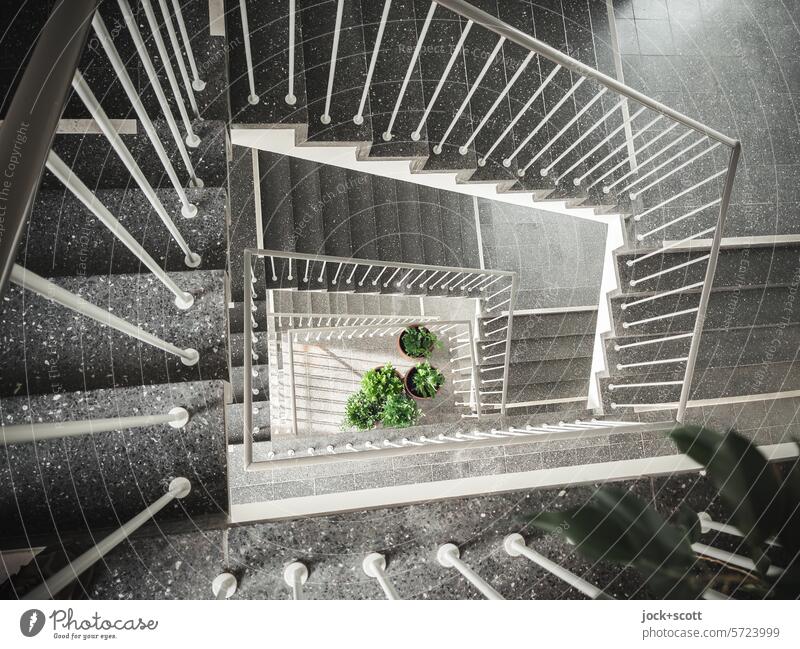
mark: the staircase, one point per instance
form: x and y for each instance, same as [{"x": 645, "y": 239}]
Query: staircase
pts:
[
  {"x": 65, "y": 363},
  {"x": 401, "y": 81}
]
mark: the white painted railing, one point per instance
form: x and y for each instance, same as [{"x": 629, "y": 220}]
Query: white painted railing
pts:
[
  {"x": 374, "y": 565},
  {"x": 178, "y": 488},
  {"x": 449, "y": 556},
  {"x": 32, "y": 282},
  {"x": 295, "y": 576},
  {"x": 176, "y": 417}
]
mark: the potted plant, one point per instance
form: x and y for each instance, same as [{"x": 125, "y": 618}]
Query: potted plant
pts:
[
  {"x": 417, "y": 341},
  {"x": 423, "y": 381},
  {"x": 360, "y": 412},
  {"x": 380, "y": 383},
  {"x": 400, "y": 412}
]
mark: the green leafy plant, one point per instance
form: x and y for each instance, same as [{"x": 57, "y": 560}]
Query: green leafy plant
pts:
[
  {"x": 617, "y": 526},
  {"x": 399, "y": 412},
  {"x": 360, "y": 412},
  {"x": 380, "y": 383},
  {"x": 419, "y": 342},
  {"x": 426, "y": 380}
]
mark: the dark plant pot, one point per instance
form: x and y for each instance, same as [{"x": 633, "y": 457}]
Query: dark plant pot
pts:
[
  {"x": 402, "y": 351},
  {"x": 409, "y": 385}
]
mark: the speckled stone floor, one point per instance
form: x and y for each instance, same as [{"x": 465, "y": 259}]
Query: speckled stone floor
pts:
[{"x": 182, "y": 566}]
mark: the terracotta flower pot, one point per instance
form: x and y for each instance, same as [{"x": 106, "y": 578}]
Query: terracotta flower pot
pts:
[
  {"x": 400, "y": 343},
  {"x": 409, "y": 385}
]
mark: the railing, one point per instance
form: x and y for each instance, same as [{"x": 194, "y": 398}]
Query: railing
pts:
[
  {"x": 176, "y": 417},
  {"x": 178, "y": 488},
  {"x": 581, "y": 136},
  {"x": 29, "y": 129},
  {"x": 495, "y": 289},
  {"x": 463, "y": 368}
]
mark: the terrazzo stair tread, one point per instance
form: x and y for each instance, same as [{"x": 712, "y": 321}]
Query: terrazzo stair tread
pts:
[
  {"x": 234, "y": 423},
  {"x": 75, "y": 486},
  {"x": 540, "y": 325},
  {"x": 544, "y": 349},
  {"x": 283, "y": 301},
  {"x": 80, "y": 350},
  {"x": 269, "y": 41},
  {"x": 260, "y": 383},
  {"x": 567, "y": 369},
  {"x": 450, "y": 210},
  {"x": 320, "y": 301},
  {"x": 236, "y": 346},
  {"x": 317, "y": 20},
  {"x": 470, "y": 244},
  {"x": 387, "y": 225},
  {"x": 735, "y": 267},
  {"x": 301, "y": 301},
  {"x": 84, "y": 245},
  {"x": 236, "y": 316},
  {"x": 548, "y": 371},
  {"x": 552, "y": 297},
  {"x": 443, "y": 36},
  {"x": 747, "y": 306},
  {"x": 242, "y": 231},
  {"x": 541, "y": 392},
  {"x": 82, "y": 153},
  {"x": 745, "y": 345},
  {"x": 277, "y": 214},
  {"x": 363, "y": 232},
  {"x": 720, "y": 383},
  {"x": 431, "y": 226},
  {"x": 355, "y": 303},
  {"x": 335, "y": 214},
  {"x": 408, "y": 216},
  {"x": 309, "y": 231},
  {"x": 396, "y": 305},
  {"x": 492, "y": 84},
  {"x": 391, "y": 65}
]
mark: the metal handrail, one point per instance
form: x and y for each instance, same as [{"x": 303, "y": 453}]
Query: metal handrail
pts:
[
  {"x": 505, "y": 31},
  {"x": 30, "y": 124},
  {"x": 494, "y": 24},
  {"x": 249, "y": 305}
]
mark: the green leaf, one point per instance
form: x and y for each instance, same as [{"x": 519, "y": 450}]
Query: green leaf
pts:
[{"x": 746, "y": 482}]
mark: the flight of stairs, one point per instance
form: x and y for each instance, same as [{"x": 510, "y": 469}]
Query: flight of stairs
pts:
[{"x": 59, "y": 366}]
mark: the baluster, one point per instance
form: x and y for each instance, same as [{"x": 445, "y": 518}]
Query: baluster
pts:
[
  {"x": 191, "y": 259},
  {"x": 374, "y": 565},
  {"x": 176, "y": 48},
  {"x": 449, "y": 556},
  {"x": 178, "y": 488},
  {"x": 522, "y": 111},
  {"x": 183, "y": 299},
  {"x": 225, "y": 584},
  {"x": 152, "y": 76},
  {"x": 437, "y": 149},
  {"x": 177, "y": 417},
  {"x": 417, "y": 134},
  {"x": 514, "y": 545},
  {"x": 188, "y": 210},
  {"x": 32, "y": 282},
  {"x": 252, "y": 98},
  {"x": 192, "y": 139},
  {"x": 359, "y": 116},
  {"x": 337, "y": 30},
  {"x": 464, "y": 148},
  {"x": 197, "y": 83},
  {"x": 507, "y": 162},
  {"x": 291, "y": 98},
  {"x": 387, "y": 135}
]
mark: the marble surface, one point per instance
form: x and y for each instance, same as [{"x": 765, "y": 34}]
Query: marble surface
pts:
[{"x": 182, "y": 566}]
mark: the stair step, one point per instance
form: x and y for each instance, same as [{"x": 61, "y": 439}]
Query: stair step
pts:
[
  {"x": 394, "y": 57},
  {"x": 541, "y": 392},
  {"x": 268, "y": 21},
  {"x": 259, "y": 383},
  {"x": 242, "y": 232},
  {"x": 277, "y": 214},
  {"x": 408, "y": 212},
  {"x": 317, "y": 21},
  {"x": 65, "y": 349},
  {"x": 234, "y": 422},
  {"x": 546, "y": 349},
  {"x": 85, "y": 484},
  {"x": 745, "y": 306},
  {"x": 541, "y": 325}
]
